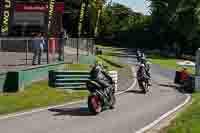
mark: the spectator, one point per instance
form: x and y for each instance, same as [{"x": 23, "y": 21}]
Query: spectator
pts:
[
  {"x": 61, "y": 40},
  {"x": 45, "y": 42},
  {"x": 37, "y": 48},
  {"x": 42, "y": 44}
]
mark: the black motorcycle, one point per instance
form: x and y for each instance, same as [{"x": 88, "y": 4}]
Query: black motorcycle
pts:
[
  {"x": 144, "y": 85},
  {"x": 100, "y": 98}
]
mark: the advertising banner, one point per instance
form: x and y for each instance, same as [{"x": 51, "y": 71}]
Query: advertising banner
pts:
[
  {"x": 1, "y": 5},
  {"x": 81, "y": 18},
  {"x": 7, "y": 13},
  {"x": 38, "y": 7},
  {"x": 51, "y": 11}
]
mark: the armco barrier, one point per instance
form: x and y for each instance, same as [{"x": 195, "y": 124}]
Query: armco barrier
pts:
[
  {"x": 18, "y": 80},
  {"x": 73, "y": 79},
  {"x": 68, "y": 79},
  {"x": 2, "y": 81}
]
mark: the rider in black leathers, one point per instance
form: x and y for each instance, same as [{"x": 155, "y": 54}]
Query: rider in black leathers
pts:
[
  {"x": 142, "y": 76},
  {"x": 146, "y": 66},
  {"x": 99, "y": 75},
  {"x": 141, "y": 73},
  {"x": 138, "y": 55}
]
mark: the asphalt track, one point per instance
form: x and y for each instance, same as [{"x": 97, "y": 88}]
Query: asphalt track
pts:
[{"x": 133, "y": 111}]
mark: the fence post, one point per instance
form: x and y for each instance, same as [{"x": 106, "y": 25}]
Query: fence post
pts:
[
  {"x": 47, "y": 49},
  {"x": 27, "y": 52},
  {"x": 93, "y": 44},
  {"x": 88, "y": 51},
  {"x": 77, "y": 50},
  {"x": 0, "y": 46}
]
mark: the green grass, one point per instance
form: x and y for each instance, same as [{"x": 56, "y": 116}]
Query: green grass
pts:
[
  {"x": 84, "y": 67},
  {"x": 109, "y": 57},
  {"x": 169, "y": 63},
  {"x": 110, "y": 62},
  {"x": 37, "y": 95},
  {"x": 103, "y": 46},
  {"x": 188, "y": 120}
]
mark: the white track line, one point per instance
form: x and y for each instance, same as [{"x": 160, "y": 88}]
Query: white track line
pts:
[
  {"x": 38, "y": 110},
  {"x": 57, "y": 106},
  {"x": 149, "y": 126}
]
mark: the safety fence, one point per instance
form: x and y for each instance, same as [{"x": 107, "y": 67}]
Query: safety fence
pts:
[
  {"x": 18, "y": 53},
  {"x": 74, "y": 79}
]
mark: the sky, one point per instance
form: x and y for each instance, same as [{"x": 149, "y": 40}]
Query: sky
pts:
[{"x": 136, "y": 5}]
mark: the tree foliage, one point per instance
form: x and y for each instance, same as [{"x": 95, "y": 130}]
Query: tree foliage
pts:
[
  {"x": 82, "y": 17},
  {"x": 123, "y": 25},
  {"x": 176, "y": 22}
]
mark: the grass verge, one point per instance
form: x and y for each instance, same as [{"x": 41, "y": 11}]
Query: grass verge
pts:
[
  {"x": 37, "y": 95},
  {"x": 169, "y": 63},
  {"x": 81, "y": 67},
  {"x": 188, "y": 120},
  {"x": 110, "y": 62}
]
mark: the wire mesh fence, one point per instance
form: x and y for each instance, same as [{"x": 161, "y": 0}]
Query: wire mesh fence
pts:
[{"x": 18, "y": 53}]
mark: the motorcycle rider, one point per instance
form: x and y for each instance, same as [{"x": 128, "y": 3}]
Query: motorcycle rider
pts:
[
  {"x": 146, "y": 64},
  {"x": 142, "y": 58},
  {"x": 142, "y": 76},
  {"x": 138, "y": 54},
  {"x": 99, "y": 75}
]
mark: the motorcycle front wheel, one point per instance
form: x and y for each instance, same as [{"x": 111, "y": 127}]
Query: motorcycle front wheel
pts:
[
  {"x": 142, "y": 86},
  {"x": 94, "y": 104}
]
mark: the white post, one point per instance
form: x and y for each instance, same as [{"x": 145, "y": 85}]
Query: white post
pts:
[{"x": 197, "y": 76}]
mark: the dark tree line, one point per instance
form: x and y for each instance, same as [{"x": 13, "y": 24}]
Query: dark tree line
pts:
[{"x": 171, "y": 24}]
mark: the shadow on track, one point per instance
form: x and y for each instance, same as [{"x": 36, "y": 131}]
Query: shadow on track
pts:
[
  {"x": 135, "y": 91},
  {"x": 80, "y": 111},
  {"x": 176, "y": 87}
]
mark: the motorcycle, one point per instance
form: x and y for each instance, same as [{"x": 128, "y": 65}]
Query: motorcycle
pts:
[
  {"x": 143, "y": 77},
  {"x": 100, "y": 98},
  {"x": 144, "y": 85}
]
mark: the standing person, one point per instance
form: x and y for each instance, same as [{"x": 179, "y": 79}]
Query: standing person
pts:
[
  {"x": 36, "y": 48},
  {"x": 61, "y": 40},
  {"x": 41, "y": 48}
]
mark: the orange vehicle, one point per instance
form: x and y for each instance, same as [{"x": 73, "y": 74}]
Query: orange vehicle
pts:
[{"x": 184, "y": 78}]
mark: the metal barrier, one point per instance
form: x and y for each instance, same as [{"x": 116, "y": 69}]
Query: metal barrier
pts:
[
  {"x": 73, "y": 79},
  {"x": 68, "y": 79},
  {"x": 17, "y": 53}
]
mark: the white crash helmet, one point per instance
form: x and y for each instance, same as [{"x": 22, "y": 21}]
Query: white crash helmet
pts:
[{"x": 142, "y": 65}]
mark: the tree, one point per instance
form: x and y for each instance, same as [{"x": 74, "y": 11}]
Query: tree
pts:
[
  {"x": 175, "y": 21},
  {"x": 122, "y": 24}
]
